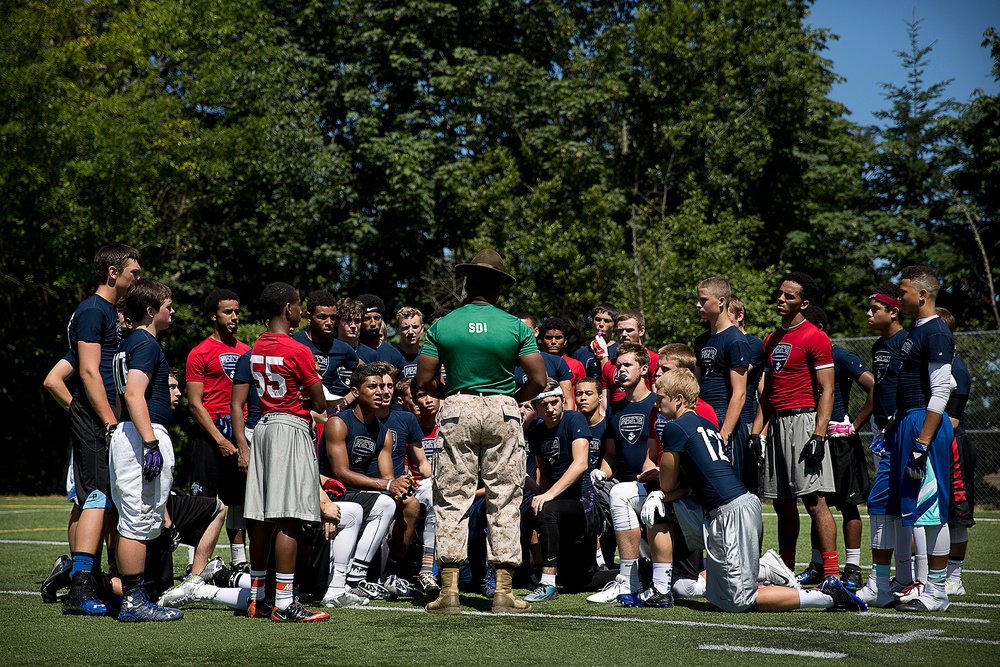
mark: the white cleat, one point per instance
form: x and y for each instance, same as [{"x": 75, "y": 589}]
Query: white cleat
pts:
[
  {"x": 911, "y": 592},
  {"x": 344, "y": 599},
  {"x": 610, "y": 593},
  {"x": 183, "y": 593},
  {"x": 873, "y": 598},
  {"x": 954, "y": 587},
  {"x": 775, "y": 571}
]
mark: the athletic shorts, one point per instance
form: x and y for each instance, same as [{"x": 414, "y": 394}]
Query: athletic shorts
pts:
[
  {"x": 364, "y": 498},
  {"x": 732, "y": 540},
  {"x": 192, "y": 515},
  {"x": 90, "y": 454},
  {"x": 878, "y": 497},
  {"x": 850, "y": 471},
  {"x": 963, "y": 495},
  {"x": 140, "y": 503},
  {"x": 785, "y": 473},
  {"x": 921, "y": 502},
  {"x": 283, "y": 476},
  {"x": 215, "y": 475}
]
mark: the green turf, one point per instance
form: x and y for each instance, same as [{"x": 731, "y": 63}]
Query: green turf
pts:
[{"x": 399, "y": 634}]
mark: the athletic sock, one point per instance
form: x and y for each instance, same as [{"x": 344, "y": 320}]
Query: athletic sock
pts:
[
  {"x": 82, "y": 561},
  {"x": 130, "y": 582},
  {"x": 814, "y": 599},
  {"x": 241, "y": 581},
  {"x": 190, "y": 557},
  {"x": 904, "y": 547},
  {"x": 338, "y": 582},
  {"x": 257, "y": 580},
  {"x": 853, "y": 556},
  {"x": 284, "y": 584},
  {"x": 831, "y": 567},
  {"x": 600, "y": 559},
  {"x": 662, "y": 575},
  {"x": 817, "y": 556},
  {"x": 234, "y": 598},
  {"x": 630, "y": 573},
  {"x": 548, "y": 579},
  {"x": 955, "y": 568},
  {"x": 920, "y": 567},
  {"x": 238, "y": 552},
  {"x": 935, "y": 586},
  {"x": 357, "y": 573},
  {"x": 881, "y": 574}
]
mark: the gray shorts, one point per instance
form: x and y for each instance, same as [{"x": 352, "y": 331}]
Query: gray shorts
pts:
[
  {"x": 784, "y": 474},
  {"x": 283, "y": 476},
  {"x": 732, "y": 553}
]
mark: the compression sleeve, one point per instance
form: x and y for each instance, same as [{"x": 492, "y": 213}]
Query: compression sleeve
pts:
[{"x": 940, "y": 377}]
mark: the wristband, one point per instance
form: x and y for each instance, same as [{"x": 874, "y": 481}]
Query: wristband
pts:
[
  {"x": 150, "y": 443},
  {"x": 387, "y": 485}
]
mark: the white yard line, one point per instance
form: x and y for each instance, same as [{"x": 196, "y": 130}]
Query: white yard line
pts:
[{"x": 771, "y": 651}]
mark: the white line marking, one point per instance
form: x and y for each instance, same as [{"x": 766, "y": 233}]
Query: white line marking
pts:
[
  {"x": 865, "y": 516},
  {"x": 989, "y": 595},
  {"x": 20, "y": 593},
  {"x": 58, "y": 544},
  {"x": 25, "y": 511},
  {"x": 904, "y": 637},
  {"x": 982, "y": 571},
  {"x": 923, "y": 617},
  {"x": 771, "y": 651},
  {"x": 981, "y": 605}
]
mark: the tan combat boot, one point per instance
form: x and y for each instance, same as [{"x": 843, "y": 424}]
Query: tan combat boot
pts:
[
  {"x": 447, "y": 600},
  {"x": 504, "y": 601}
]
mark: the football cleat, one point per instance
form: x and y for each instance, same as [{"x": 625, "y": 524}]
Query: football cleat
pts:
[
  {"x": 344, "y": 599},
  {"x": 911, "y": 592},
  {"x": 924, "y": 603},
  {"x": 896, "y": 585},
  {"x": 81, "y": 599},
  {"x": 648, "y": 598},
  {"x": 183, "y": 593},
  {"x": 842, "y": 598},
  {"x": 614, "y": 588},
  {"x": 399, "y": 587},
  {"x": 212, "y": 569},
  {"x": 852, "y": 577},
  {"x": 428, "y": 583},
  {"x": 136, "y": 608},
  {"x": 296, "y": 613},
  {"x": 260, "y": 608},
  {"x": 811, "y": 576},
  {"x": 373, "y": 590},
  {"x": 873, "y": 598},
  {"x": 954, "y": 587},
  {"x": 58, "y": 578},
  {"x": 242, "y": 568},
  {"x": 542, "y": 592},
  {"x": 490, "y": 582},
  {"x": 775, "y": 571}
]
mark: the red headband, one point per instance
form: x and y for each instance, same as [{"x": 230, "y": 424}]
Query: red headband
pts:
[{"x": 892, "y": 302}]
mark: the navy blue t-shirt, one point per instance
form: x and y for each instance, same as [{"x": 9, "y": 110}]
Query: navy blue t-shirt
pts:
[
  {"x": 96, "y": 321},
  {"x": 847, "y": 368},
  {"x": 756, "y": 346},
  {"x": 405, "y": 430},
  {"x": 963, "y": 386},
  {"x": 887, "y": 360},
  {"x": 141, "y": 351},
  {"x": 591, "y": 364},
  {"x": 363, "y": 445},
  {"x": 384, "y": 352},
  {"x": 555, "y": 368},
  {"x": 409, "y": 369},
  {"x": 335, "y": 361},
  {"x": 716, "y": 355},
  {"x": 931, "y": 342},
  {"x": 703, "y": 460},
  {"x": 243, "y": 375},
  {"x": 555, "y": 447},
  {"x": 594, "y": 451},
  {"x": 629, "y": 426}
]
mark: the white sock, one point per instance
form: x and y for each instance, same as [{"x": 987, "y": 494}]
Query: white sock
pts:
[
  {"x": 853, "y": 556},
  {"x": 190, "y": 556},
  {"x": 238, "y": 553},
  {"x": 814, "y": 599},
  {"x": 600, "y": 559},
  {"x": 548, "y": 579},
  {"x": 935, "y": 586},
  {"x": 955, "y": 569},
  {"x": 234, "y": 598},
  {"x": 688, "y": 588},
  {"x": 284, "y": 589},
  {"x": 629, "y": 571},
  {"x": 242, "y": 581},
  {"x": 662, "y": 574},
  {"x": 920, "y": 553},
  {"x": 338, "y": 582}
]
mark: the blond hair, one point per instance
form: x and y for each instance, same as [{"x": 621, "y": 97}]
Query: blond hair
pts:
[
  {"x": 680, "y": 382},
  {"x": 680, "y": 353}
]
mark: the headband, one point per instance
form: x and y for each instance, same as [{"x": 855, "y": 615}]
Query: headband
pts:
[
  {"x": 892, "y": 302},
  {"x": 549, "y": 394}
]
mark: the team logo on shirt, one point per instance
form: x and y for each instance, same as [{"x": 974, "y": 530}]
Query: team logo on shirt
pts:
[
  {"x": 228, "y": 361},
  {"x": 322, "y": 363},
  {"x": 779, "y": 356},
  {"x": 904, "y": 351},
  {"x": 550, "y": 450},
  {"x": 631, "y": 426},
  {"x": 409, "y": 371},
  {"x": 345, "y": 376},
  {"x": 362, "y": 451},
  {"x": 708, "y": 355},
  {"x": 880, "y": 362}
]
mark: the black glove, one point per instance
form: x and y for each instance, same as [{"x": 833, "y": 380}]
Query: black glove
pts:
[
  {"x": 916, "y": 465},
  {"x": 225, "y": 425},
  {"x": 171, "y": 537},
  {"x": 813, "y": 451},
  {"x": 757, "y": 447}
]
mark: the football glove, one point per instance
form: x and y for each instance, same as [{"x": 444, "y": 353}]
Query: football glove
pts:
[
  {"x": 225, "y": 425},
  {"x": 916, "y": 465},
  {"x": 599, "y": 347},
  {"x": 757, "y": 447},
  {"x": 598, "y": 477},
  {"x": 171, "y": 536},
  {"x": 877, "y": 445},
  {"x": 152, "y": 464},
  {"x": 654, "y": 510},
  {"x": 812, "y": 452},
  {"x": 334, "y": 488},
  {"x": 840, "y": 429}
]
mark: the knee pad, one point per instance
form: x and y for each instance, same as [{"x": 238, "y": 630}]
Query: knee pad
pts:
[
  {"x": 959, "y": 533},
  {"x": 883, "y": 530},
  {"x": 938, "y": 540}
]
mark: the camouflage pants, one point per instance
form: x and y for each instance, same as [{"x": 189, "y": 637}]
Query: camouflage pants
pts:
[{"x": 479, "y": 437}]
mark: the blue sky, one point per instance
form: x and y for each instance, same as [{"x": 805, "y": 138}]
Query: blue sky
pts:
[{"x": 871, "y": 31}]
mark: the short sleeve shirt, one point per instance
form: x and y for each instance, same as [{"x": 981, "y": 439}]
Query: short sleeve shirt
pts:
[
  {"x": 595, "y": 450},
  {"x": 364, "y": 442},
  {"x": 96, "y": 321},
  {"x": 243, "y": 375},
  {"x": 630, "y": 425},
  {"x": 283, "y": 370},
  {"x": 753, "y": 377},
  {"x": 704, "y": 464},
  {"x": 335, "y": 361},
  {"x": 847, "y": 368},
  {"x": 930, "y": 342},
  {"x": 555, "y": 447},
  {"x": 405, "y": 431},
  {"x": 213, "y": 364},
  {"x": 141, "y": 351},
  {"x": 591, "y": 364},
  {"x": 791, "y": 357},
  {"x": 555, "y": 368},
  {"x": 716, "y": 355},
  {"x": 887, "y": 361}
]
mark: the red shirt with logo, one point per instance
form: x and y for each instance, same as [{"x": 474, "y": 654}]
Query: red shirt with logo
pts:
[
  {"x": 213, "y": 363},
  {"x": 283, "y": 370},
  {"x": 791, "y": 358}
]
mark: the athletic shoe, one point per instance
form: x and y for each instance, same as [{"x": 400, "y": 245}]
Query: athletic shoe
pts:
[
  {"x": 648, "y": 598},
  {"x": 373, "y": 590},
  {"x": 542, "y": 592},
  {"x": 896, "y": 585},
  {"x": 911, "y": 592},
  {"x": 182, "y": 593},
  {"x": 954, "y": 587},
  {"x": 923, "y": 603},
  {"x": 81, "y": 599},
  {"x": 811, "y": 576},
  {"x": 617, "y": 586},
  {"x": 241, "y": 568},
  {"x": 260, "y": 608},
  {"x": 842, "y": 598},
  {"x": 428, "y": 583},
  {"x": 399, "y": 587},
  {"x": 345, "y": 599},
  {"x": 852, "y": 577},
  {"x": 873, "y": 598},
  {"x": 58, "y": 578},
  {"x": 296, "y": 613},
  {"x": 775, "y": 570},
  {"x": 490, "y": 582},
  {"x": 212, "y": 569},
  {"x": 136, "y": 608}
]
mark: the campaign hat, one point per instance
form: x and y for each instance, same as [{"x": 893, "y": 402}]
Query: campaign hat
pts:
[{"x": 486, "y": 262}]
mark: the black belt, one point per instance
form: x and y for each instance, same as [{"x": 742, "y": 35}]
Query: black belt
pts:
[
  {"x": 473, "y": 392},
  {"x": 794, "y": 411}
]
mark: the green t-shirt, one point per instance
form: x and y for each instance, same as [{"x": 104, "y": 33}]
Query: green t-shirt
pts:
[{"x": 479, "y": 345}]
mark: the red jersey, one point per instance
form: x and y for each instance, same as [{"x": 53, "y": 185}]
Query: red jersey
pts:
[
  {"x": 609, "y": 371},
  {"x": 791, "y": 358},
  {"x": 283, "y": 369},
  {"x": 576, "y": 368},
  {"x": 213, "y": 364},
  {"x": 706, "y": 411}
]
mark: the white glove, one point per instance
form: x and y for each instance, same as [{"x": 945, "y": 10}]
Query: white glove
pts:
[
  {"x": 598, "y": 477},
  {"x": 654, "y": 510},
  {"x": 600, "y": 347},
  {"x": 842, "y": 429}
]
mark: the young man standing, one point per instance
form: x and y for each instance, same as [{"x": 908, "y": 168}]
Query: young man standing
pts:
[
  {"x": 555, "y": 366},
  {"x": 592, "y": 356},
  {"x": 141, "y": 454},
  {"x": 209, "y": 374},
  {"x": 371, "y": 333},
  {"x": 335, "y": 359},
  {"x": 282, "y": 479},
  {"x": 94, "y": 333},
  {"x": 410, "y": 326},
  {"x": 554, "y": 333},
  {"x": 738, "y": 316},
  {"x": 798, "y": 402}
]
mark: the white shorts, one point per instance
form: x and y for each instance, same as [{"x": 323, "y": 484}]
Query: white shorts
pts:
[
  {"x": 140, "y": 503},
  {"x": 626, "y": 504}
]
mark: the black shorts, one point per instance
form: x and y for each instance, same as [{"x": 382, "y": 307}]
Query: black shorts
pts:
[
  {"x": 90, "y": 452},
  {"x": 962, "y": 509},
  {"x": 364, "y": 498},
  {"x": 850, "y": 472},
  {"x": 215, "y": 475},
  {"x": 192, "y": 515},
  {"x": 687, "y": 563}
]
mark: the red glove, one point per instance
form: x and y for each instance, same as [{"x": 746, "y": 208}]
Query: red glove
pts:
[{"x": 334, "y": 488}]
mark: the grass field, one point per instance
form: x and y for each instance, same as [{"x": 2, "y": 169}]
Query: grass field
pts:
[{"x": 566, "y": 631}]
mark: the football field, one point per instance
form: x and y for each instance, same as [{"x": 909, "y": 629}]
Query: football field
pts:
[{"x": 566, "y": 631}]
